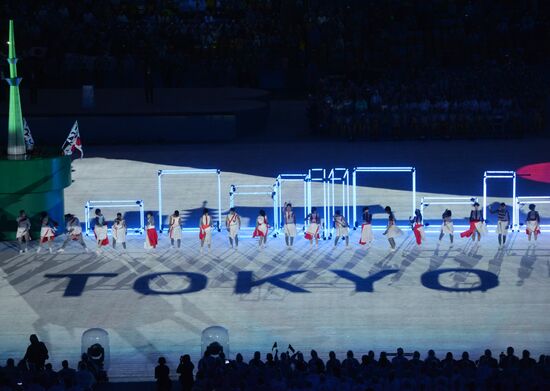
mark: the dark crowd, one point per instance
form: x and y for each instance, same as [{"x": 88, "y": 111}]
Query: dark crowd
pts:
[
  {"x": 34, "y": 373},
  {"x": 291, "y": 370}
]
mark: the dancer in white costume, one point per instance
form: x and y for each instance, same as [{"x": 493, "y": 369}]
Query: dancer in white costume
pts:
[
  {"x": 23, "y": 231},
  {"x": 47, "y": 232},
  {"x": 74, "y": 232},
  {"x": 205, "y": 230},
  {"x": 151, "y": 235},
  {"x": 100, "y": 230},
  {"x": 392, "y": 230},
  {"x": 290, "y": 225},
  {"x": 503, "y": 223},
  {"x": 532, "y": 222},
  {"x": 119, "y": 229},
  {"x": 262, "y": 228},
  {"x": 175, "y": 229},
  {"x": 314, "y": 225},
  {"x": 366, "y": 228},
  {"x": 233, "y": 225},
  {"x": 341, "y": 228},
  {"x": 447, "y": 226}
]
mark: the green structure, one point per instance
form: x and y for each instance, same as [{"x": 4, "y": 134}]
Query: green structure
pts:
[
  {"x": 16, "y": 139},
  {"x": 35, "y": 184}
]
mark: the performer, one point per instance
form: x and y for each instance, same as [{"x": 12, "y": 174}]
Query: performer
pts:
[
  {"x": 262, "y": 228},
  {"x": 151, "y": 235},
  {"x": 392, "y": 230},
  {"x": 314, "y": 224},
  {"x": 341, "y": 227},
  {"x": 175, "y": 229},
  {"x": 100, "y": 230},
  {"x": 366, "y": 228},
  {"x": 418, "y": 227},
  {"x": 447, "y": 225},
  {"x": 74, "y": 232},
  {"x": 119, "y": 231},
  {"x": 503, "y": 223},
  {"x": 205, "y": 229},
  {"x": 476, "y": 224},
  {"x": 233, "y": 225},
  {"x": 47, "y": 232},
  {"x": 290, "y": 225},
  {"x": 23, "y": 231},
  {"x": 532, "y": 222}
]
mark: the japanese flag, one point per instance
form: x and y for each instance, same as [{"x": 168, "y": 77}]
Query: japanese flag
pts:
[{"x": 73, "y": 142}]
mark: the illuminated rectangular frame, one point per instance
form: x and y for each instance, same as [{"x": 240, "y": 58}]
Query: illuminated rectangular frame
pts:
[
  {"x": 115, "y": 204},
  {"x": 234, "y": 191},
  {"x": 313, "y": 176},
  {"x": 501, "y": 175},
  {"x": 281, "y": 178},
  {"x": 426, "y": 201},
  {"x": 343, "y": 178},
  {"x": 356, "y": 170},
  {"x": 524, "y": 200},
  {"x": 213, "y": 171}
]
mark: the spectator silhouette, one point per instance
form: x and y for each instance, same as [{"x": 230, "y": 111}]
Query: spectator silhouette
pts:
[
  {"x": 66, "y": 373},
  {"x": 185, "y": 370},
  {"x": 162, "y": 375},
  {"x": 36, "y": 354},
  {"x": 84, "y": 377},
  {"x": 334, "y": 367},
  {"x": 350, "y": 365}
]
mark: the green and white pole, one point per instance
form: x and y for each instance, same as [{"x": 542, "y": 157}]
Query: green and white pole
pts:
[{"x": 16, "y": 138}]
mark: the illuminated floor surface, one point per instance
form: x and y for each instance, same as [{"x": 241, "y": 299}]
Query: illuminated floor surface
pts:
[{"x": 401, "y": 311}]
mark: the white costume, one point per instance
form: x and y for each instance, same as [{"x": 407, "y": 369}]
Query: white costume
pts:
[
  {"x": 23, "y": 227},
  {"x": 366, "y": 230},
  {"x": 392, "y": 231},
  {"x": 119, "y": 230},
  {"x": 175, "y": 228},
  {"x": 233, "y": 225},
  {"x": 46, "y": 231},
  {"x": 290, "y": 224},
  {"x": 312, "y": 231},
  {"x": 502, "y": 227},
  {"x": 341, "y": 226},
  {"x": 100, "y": 229},
  {"x": 447, "y": 227},
  {"x": 205, "y": 230}
]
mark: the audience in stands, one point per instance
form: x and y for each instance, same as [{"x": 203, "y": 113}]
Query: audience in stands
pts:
[{"x": 291, "y": 371}]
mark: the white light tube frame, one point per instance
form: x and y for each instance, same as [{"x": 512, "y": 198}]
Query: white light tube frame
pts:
[
  {"x": 357, "y": 170},
  {"x": 279, "y": 181},
  {"x": 525, "y": 200},
  {"x": 341, "y": 176},
  {"x": 319, "y": 175},
  {"x": 270, "y": 190},
  {"x": 501, "y": 175},
  {"x": 213, "y": 171},
  {"x": 90, "y": 205}
]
